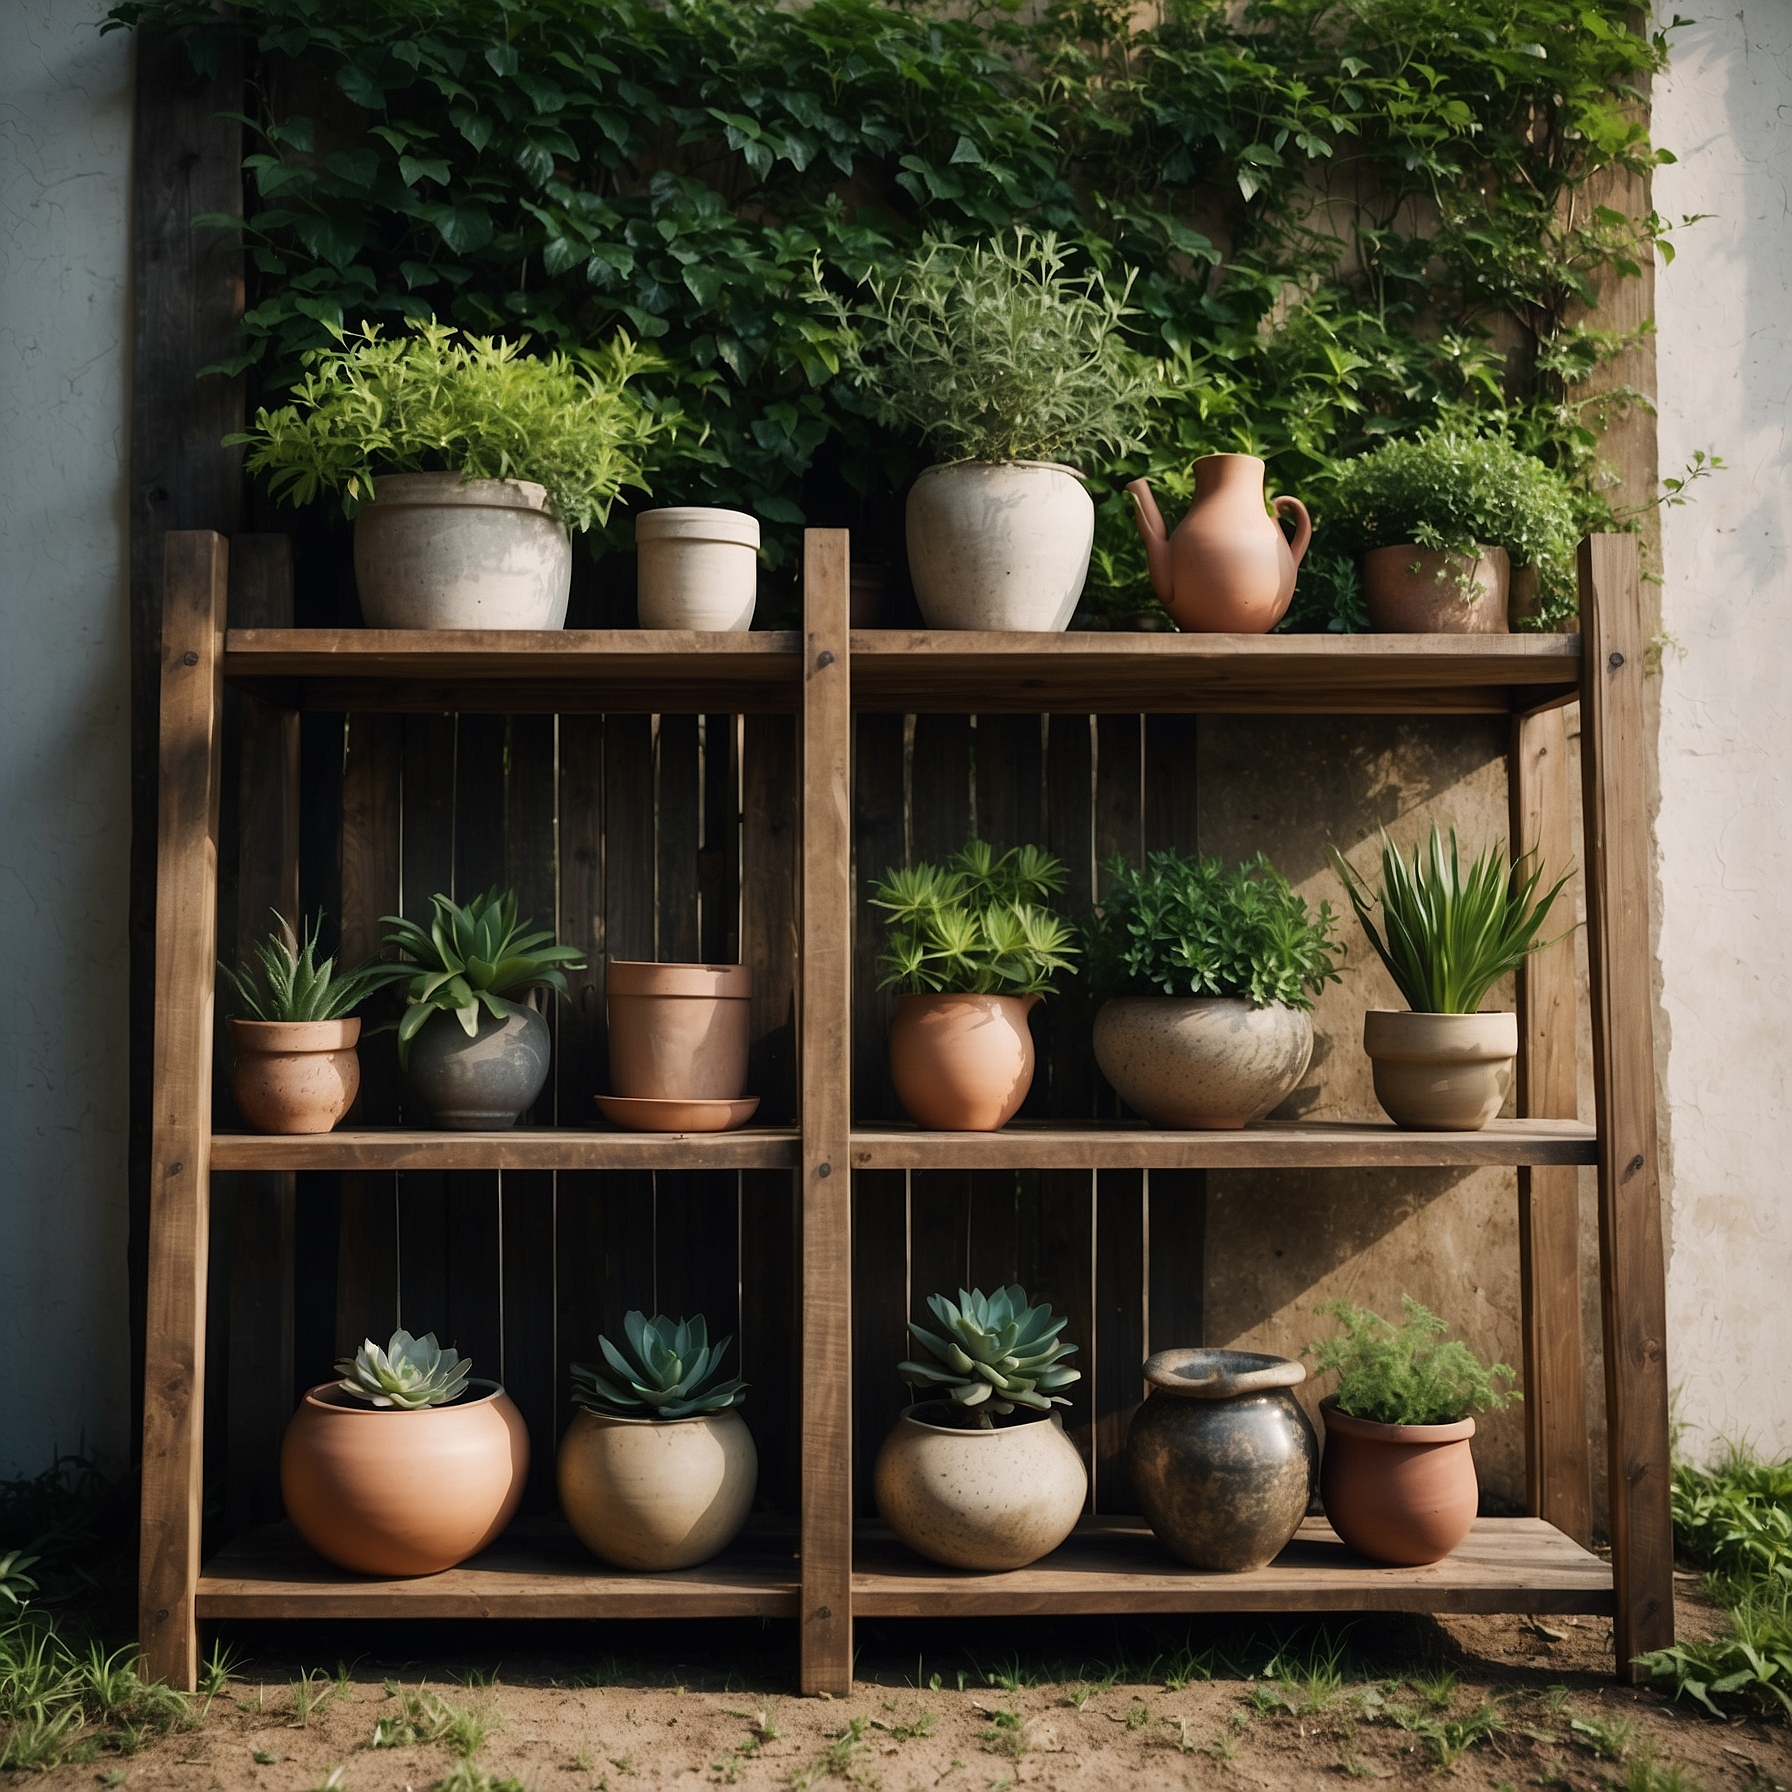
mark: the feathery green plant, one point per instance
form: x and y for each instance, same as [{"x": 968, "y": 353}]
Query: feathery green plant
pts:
[
  {"x": 665, "y": 1369},
  {"x": 290, "y": 985},
  {"x": 993, "y": 1352},
  {"x": 1401, "y": 1374},
  {"x": 408, "y": 1373}
]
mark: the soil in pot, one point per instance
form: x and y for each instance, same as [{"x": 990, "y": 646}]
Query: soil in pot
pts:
[
  {"x": 1212, "y": 1063},
  {"x": 295, "y": 1076},
  {"x": 1424, "y": 591},
  {"x": 487, "y": 1082},
  {"x": 696, "y": 568},
  {"x": 679, "y": 1032},
  {"x": 962, "y": 1063},
  {"x": 1402, "y": 1494},
  {"x": 1441, "y": 1072}
]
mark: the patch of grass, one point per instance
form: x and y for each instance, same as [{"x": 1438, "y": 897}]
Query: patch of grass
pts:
[
  {"x": 1079, "y": 1692},
  {"x": 1649, "y": 1775},
  {"x": 1608, "y": 1738},
  {"x": 1446, "y": 1738},
  {"x": 1436, "y": 1690},
  {"x": 468, "y": 1778},
  {"x": 1138, "y": 1715},
  {"x": 1014, "y": 1677},
  {"x": 840, "y": 1760},
  {"x": 311, "y": 1694},
  {"x": 608, "y": 1672},
  {"x": 1186, "y": 1664},
  {"x": 425, "y": 1716},
  {"x": 1006, "y": 1734},
  {"x": 923, "y": 1725}
]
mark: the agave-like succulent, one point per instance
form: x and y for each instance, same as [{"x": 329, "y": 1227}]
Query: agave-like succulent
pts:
[
  {"x": 997, "y": 1352},
  {"x": 408, "y": 1373},
  {"x": 668, "y": 1370},
  {"x": 287, "y": 983}
]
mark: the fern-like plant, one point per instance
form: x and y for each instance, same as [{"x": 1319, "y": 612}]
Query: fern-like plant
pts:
[
  {"x": 286, "y": 982},
  {"x": 1402, "y": 1374}
]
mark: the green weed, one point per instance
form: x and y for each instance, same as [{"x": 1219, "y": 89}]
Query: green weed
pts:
[
  {"x": 426, "y": 1716},
  {"x": 468, "y": 1778},
  {"x": 1609, "y": 1739}
]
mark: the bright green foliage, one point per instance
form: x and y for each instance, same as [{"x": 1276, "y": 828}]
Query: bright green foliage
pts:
[
  {"x": 1447, "y": 935},
  {"x": 666, "y": 1369},
  {"x": 408, "y": 1373},
  {"x": 1189, "y": 927},
  {"x": 1401, "y": 1374},
  {"x": 977, "y": 925},
  {"x": 993, "y": 1352},
  {"x": 59, "y": 1703},
  {"x": 293, "y": 986},
  {"x": 16, "y": 1584},
  {"x": 1752, "y": 1665}
]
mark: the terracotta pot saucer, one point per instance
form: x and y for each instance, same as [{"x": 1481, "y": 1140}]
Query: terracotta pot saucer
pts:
[{"x": 639, "y": 1113}]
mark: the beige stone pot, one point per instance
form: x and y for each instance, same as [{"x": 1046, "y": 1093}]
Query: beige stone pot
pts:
[
  {"x": 979, "y": 1499},
  {"x": 696, "y": 567},
  {"x": 1424, "y": 591},
  {"x": 962, "y": 1063},
  {"x": 657, "y": 1493},
  {"x": 679, "y": 1032},
  {"x": 1209, "y": 1062},
  {"x": 295, "y": 1076},
  {"x": 1441, "y": 1072}
]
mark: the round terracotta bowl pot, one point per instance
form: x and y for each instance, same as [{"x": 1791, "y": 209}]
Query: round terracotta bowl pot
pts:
[
  {"x": 399, "y": 1493},
  {"x": 962, "y": 1063},
  {"x": 679, "y": 1032},
  {"x": 1424, "y": 591},
  {"x": 1402, "y": 1494},
  {"x": 1209, "y": 1062},
  {"x": 295, "y": 1076},
  {"x": 1441, "y": 1072},
  {"x": 972, "y": 1498},
  {"x": 657, "y": 1493}
]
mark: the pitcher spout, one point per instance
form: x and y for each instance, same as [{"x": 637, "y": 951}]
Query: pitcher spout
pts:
[{"x": 1153, "y": 534}]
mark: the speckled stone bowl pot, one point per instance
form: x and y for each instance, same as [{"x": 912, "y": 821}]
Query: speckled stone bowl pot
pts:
[{"x": 1208, "y": 1062}]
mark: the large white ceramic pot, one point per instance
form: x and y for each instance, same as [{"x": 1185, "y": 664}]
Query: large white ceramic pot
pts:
[
  {"x": 1441, "y": 1072},
  {"x": 972, "y": 1498},
  {"x": 657, "y": 1493},
  {"x": 435, "y": 551},
  {"x": 696, "y": 567},
  {"x": 1209, "y": 1062},
  {"x": 999, "y": 544}
]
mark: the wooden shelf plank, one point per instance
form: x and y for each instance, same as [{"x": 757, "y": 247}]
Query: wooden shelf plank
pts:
[
  {"x": 1116, "y": 1565},
  {"x": 1301, "y": 1145},
  {"x": 524, "y": 1148}
]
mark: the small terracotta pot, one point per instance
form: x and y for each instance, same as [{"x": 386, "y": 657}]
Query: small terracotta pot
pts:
[
  {"x": 1441, "y": 1072},
  {"x": 1404, "y": 1494},
  {"x": 962, "y": 1063},
  {"x": 295, "y": 1076},
  {"x": 400, "y": 1493},
  {"x": 679, "y": 1032},
  {"x": 1424, "y": 591},
  {"x": 1214, "y": 1063}
]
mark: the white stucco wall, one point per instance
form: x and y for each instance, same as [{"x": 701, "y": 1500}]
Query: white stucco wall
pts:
[{"x": 65, "y": 121}]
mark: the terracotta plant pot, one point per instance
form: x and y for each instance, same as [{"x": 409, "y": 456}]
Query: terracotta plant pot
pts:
[
  {"x": 979, "y": 1499},
  {"x": 1424, "y": 591},
  {"x": 295, "y": 1076},
  {"x": 1213, "y": 1063},
  {"x": 657, "y": 1493},
  {"x": 395, "y": 1493},
  {"x": 1441, "y": 1072},
  {"x": 435, "y": 551},
  {"x": 679, "y": 1032},
  {"x": 1222, "y": 1457},
  {"x": 485, "y": 1083},
  {"x": 1403, "y": 1494},
  {"x": 867, "y": 593},
  {"x": 697, "y": 568},
  {"x": 962, "y": 1063}
]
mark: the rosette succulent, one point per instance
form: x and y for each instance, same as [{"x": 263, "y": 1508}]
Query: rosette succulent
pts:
[
  {"x": 993, "y": 1352},
  {"x": 665, "y": 1369},
  {"x": 408, "y": 1373}
]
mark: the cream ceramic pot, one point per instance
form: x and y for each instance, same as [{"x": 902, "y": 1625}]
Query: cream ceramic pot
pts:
[
  {"x": 295, "y": 1076},
  {"x": 1208, "y": 1062},
  {"x": 696, "y": 567},
  {"x": 1441, "y": 1072}
]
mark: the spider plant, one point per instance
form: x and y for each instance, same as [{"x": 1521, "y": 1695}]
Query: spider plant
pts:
[{"x": 286, "y": 982}]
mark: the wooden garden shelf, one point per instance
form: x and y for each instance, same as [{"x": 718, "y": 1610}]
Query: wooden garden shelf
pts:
[{"x": 523, "y": 1148}]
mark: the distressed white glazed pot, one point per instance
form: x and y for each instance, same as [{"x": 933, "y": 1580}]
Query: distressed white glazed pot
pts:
[
  {"x": 999, "y": 544},
  {"x": 435, "y": 551},
  {"x": 1441, "y": 1072},
  {"x": 1209, "y": 1062},
  {"x": 696, "y": 567}
]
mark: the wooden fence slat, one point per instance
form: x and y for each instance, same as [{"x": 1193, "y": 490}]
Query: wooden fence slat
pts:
[
  {"x": 1057, "y": 1248},
  {"x": 1119, "y": 1330},
  {"x": 1062, "y": 1023},
  {"x": 878, "y": 846},
  {"x": 678, "y": 830},
  {"x": 880, "y": 1313},
  {"x": 719, "y": 860}
]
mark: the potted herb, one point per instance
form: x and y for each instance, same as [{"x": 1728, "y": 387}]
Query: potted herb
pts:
[
  {"x": 464, "y": 464},
  {"x": 658, "y": 1468},
  {"x": 474, "y": 1054},
  {"x": 1397, "y": 1478},
  {"x": 972, "y": 948},
  {"x": 404, "y": 1466},
  {"x": 1007, "y": 364},
  {"x": 1210, "y": 977},
  {"x": 952, "y": 1482},
  {"x": 1447, "y": 936}
]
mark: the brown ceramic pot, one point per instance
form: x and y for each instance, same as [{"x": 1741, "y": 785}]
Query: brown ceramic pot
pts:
[
  {"x": 295, "y": 1076},
  {"x": 962, "y": 1063},
  {"x": 1404, "y": 1494},
  {"x": 1424, "y": 591},
  {"x": 397, "y": 1493},
  {"x": 679, "y": 1032}
]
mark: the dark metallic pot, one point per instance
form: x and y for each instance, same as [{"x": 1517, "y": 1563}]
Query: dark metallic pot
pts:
[
  {"x": 1223, "y": 1458},
  {"x": 484, "y": 1083}
]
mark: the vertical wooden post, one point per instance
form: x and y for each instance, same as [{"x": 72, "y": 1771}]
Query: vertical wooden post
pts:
[
  {"x": 1632, "y": 1280},
  {"x": 825, "y": 1044},
  {"x": 1557, "y": 1482},
  {"x": 195, "y": 578}
]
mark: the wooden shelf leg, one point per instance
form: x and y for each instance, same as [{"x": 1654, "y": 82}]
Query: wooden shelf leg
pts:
[
  {"x": 195, "y": 577},
  {"x": 1632, "y": 1277},
  {"x": 826, "y": 1047}
]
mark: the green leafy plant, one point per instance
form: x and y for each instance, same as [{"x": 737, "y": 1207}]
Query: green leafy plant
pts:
[
  {"x": 977, "y": 925},
  {"x": 286, "y": 982},
  {"x": 1403, "y": 1374},
  {"x": 1449, "y": 935},
  {"x": 1189, "y": 927},
  {"x": 409, "y": 1373},
  {"x": 16, "y": 1583},
  {"x": 992, "y": 1353},
  {"x": 665, "y": 1369}
]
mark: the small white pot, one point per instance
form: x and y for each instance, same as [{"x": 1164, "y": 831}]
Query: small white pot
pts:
[
  {"x": 435, "y": 551},
  {"x": 1209, "y": 1062},
  {"x": 696, "y": 568},
  {"x": 1441, "y": 1072},
  {"x": 999, "y": 544}
]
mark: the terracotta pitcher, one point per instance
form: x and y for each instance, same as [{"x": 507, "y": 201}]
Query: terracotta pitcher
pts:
[{"x": 1228, "y": 569}]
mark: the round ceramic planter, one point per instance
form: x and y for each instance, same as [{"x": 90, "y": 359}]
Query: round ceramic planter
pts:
[
  {"x": 679, "y": 1032},
  {"x": 657, "y": 1493},
  {"x": 435, "y": 551},
  {"x": 1221, "y": 1456},
  {"x": 696, "y": 568},
  {"x": 384, "y": 1491},
  {"x": 962, "y": 1063},
  {"x": 1402, "y": 1494},
  {"x": 1424, "y": 591},
  {"x": 979, "y": 1499},
  {"x": 999, "y": 544},
  {"x": 484, "y": 1083},
  {"x": 295, "y": 1076},
  {"x": 1441, "y": 1072},
  {"x": 1209, "y": 1062}
]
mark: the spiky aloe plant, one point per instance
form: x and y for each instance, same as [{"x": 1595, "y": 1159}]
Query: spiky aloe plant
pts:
[
  {"x": 408, "y": 1373},
  {"x": 993, "y": 1352},
  {"x": 286, "y": 983},
  {"x": 666, "y": 1369}
]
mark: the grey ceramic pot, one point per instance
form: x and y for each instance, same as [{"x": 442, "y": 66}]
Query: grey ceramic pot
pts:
[
  {"x": 1222, "y": 1457},
  {"x": 480, "y": 1084}
]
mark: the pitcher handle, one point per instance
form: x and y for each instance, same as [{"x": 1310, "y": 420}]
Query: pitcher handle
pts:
[{"x": 1303, "y": 525}]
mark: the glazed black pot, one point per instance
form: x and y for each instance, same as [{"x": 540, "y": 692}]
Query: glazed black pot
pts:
[{"x": 1222, "y": 1456}]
